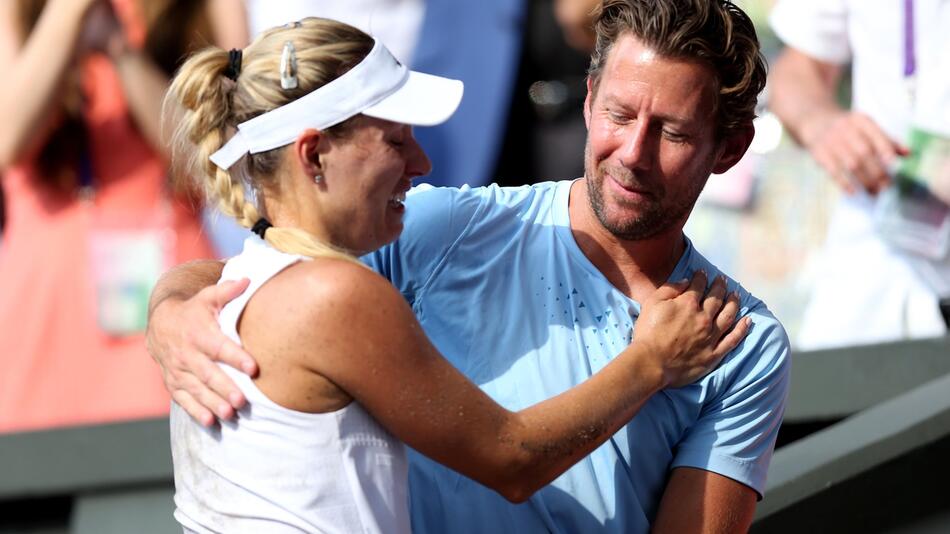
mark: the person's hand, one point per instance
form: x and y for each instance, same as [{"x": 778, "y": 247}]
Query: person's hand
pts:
[
  {"x": 185, "y": 339},
  {"x": 575, "y": 17},
  {"x": 688, "y": 331},
  {"x": 100, "y": 29},
  {"x": 854, "y": 150}
]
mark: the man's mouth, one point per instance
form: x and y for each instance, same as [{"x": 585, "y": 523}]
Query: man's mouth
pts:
[{"x": 628, "y": 190}]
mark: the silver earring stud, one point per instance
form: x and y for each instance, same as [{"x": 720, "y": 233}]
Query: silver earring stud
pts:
[{"x": 318, "y": 179}]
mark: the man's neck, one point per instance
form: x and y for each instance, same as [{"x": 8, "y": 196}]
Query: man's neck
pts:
[{"x": 636, "y": 268}]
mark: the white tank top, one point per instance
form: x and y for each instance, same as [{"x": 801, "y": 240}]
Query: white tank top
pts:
[{"x": 277, "y": 470}]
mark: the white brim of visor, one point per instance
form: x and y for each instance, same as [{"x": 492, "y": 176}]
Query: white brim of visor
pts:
[{"x": 379, "y": 86}]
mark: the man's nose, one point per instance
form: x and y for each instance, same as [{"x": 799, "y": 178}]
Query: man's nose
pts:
[{"x": 636, "y": 149}]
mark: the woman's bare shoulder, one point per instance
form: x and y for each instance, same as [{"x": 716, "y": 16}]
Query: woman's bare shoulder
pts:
[{"x": 329, "y": 292}]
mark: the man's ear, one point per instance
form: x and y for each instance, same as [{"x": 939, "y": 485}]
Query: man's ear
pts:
[
  {"x": 309, "y": 146},
  {"x": 733, "y": 147},
  {"x": 587, "y": 103}
]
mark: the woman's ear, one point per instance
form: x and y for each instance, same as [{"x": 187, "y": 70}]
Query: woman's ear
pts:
[{"x": 309, "y": 146}]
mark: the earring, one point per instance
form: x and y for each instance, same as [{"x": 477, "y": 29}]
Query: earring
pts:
[{"x": 318, "y": 179}]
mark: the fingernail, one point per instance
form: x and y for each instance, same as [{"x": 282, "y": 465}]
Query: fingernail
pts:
[
  {"x": 236, "y": 399},
  {"x": 248, "y": 367},
  {"x": 223, "y": 411},
  {"x": 683, "y": 281}
]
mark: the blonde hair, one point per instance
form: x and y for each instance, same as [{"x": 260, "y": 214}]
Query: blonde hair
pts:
[{"x": 208, "y": 107}]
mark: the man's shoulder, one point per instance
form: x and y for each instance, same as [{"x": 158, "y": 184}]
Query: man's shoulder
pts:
[
  {"x": 427, "y": 196},
  {"x": 767, "y": 342},
  {"x": 442, "y": 220},
  {"x": 455, "y": 211}
]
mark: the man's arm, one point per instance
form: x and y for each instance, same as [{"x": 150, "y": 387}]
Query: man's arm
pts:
[
  {"x": 849, "y": 145},
  {"x": 183, "y": 336},
  {"x": 721, "y": 461},
  {"x": 702, "y": 501}
]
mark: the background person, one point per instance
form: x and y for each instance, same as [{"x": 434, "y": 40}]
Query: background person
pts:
[
  {"x": 866, "y": 291},
  {"x": 91, "y": 221},
  {"x": 567, "y": 265}
]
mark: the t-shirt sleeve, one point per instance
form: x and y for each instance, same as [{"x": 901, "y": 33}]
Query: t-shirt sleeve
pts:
[
  {"x": 819, "y": 28},
  {"x": 737, "y": 426},
  {"x": 436, "y": 218}
]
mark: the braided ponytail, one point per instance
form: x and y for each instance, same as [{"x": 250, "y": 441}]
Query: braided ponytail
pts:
[{"x": 207, "y": 105}]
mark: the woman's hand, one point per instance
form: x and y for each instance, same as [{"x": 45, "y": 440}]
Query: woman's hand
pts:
[{"x": 687, "y": 330}]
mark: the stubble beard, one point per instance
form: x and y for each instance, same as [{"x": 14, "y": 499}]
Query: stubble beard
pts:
[{"x": 652, "y": 217}]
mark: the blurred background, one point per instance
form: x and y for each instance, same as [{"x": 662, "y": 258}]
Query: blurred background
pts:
[{"x": 90, "y": 219}]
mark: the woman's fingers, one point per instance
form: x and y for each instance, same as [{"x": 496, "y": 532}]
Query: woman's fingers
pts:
[
  {"x": 732, "y": 339},
  {"x": 697, "y": 288},
  {"x": 727, "y": 315},
  {"x": 713, "y": 301}
]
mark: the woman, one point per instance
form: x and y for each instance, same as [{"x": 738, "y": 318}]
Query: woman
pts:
[
  {"x": 91, "y": 222},
  {"x": 314, "y": 120}
]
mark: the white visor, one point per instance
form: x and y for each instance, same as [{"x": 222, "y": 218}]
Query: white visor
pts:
[{"x": 379, "y": 86}]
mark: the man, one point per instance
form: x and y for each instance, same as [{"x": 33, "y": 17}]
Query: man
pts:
[
  {"x": 530, "y": 290},
  {"x": 867, "y": 290}
]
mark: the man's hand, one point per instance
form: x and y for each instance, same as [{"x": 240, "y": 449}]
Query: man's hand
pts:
[
  {"x": 853, "y": 149},
  {"x": 185, "y": 339}
]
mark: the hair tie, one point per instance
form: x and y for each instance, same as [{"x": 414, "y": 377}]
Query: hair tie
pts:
[
  {"x": 235, "y": 57},
  {"x": 261, "y": 226}
]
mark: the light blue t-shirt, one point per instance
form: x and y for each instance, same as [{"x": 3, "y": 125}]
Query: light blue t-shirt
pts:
[{"x": 505, "y": 293}]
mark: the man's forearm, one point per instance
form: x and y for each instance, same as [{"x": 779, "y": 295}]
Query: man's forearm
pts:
[{"x": 184, "y": 281}]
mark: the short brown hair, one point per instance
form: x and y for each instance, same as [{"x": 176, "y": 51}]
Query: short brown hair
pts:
[{"x": 715, "y": 32}]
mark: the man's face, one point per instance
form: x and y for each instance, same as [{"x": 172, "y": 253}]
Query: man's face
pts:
[{"x": 651, "y": 140}]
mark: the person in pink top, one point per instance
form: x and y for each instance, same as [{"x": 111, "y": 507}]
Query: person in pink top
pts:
[{"x": 91, "y": 218}]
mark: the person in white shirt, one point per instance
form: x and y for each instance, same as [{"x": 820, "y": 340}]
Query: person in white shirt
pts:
[{"x": 867, "y": 290}]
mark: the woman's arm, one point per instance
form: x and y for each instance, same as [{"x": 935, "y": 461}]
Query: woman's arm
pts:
[
  {"x": 35, "y": 72},
  {"x": 359, "y": 333}
]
